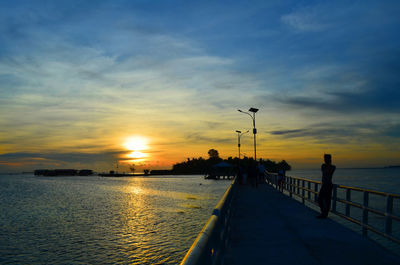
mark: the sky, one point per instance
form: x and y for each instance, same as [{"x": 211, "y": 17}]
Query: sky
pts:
[{"x": 93, "y": 84}]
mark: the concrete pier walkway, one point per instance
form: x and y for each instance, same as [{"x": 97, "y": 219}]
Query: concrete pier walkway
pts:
[{"x": 272, "y": 228}]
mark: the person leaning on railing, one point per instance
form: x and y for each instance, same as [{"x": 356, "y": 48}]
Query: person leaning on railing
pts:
[
  {"x": 325, "y": 193},
  {"x": 280, "y": 179}
]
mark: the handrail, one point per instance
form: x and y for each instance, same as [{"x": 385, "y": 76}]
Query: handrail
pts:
[
  {"x": 293, "y": 187},
  {"x": 371, "y": 191},
  {"x": 210, "y": 243}
]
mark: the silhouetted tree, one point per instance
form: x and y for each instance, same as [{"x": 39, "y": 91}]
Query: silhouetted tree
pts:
[
  {"x": 213, "y": 154},
  {"x": 284, "y": 165},
  {"x": 132, "y": 168}
]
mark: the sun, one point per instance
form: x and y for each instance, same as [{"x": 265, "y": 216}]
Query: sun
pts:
[
  {"x": 136, "y": 143},
  {"x": 136, "y": 155}
]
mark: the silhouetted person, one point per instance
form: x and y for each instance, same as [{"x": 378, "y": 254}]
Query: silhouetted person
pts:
[
  {"x": 280, "y": 179},
  {"x": 241, "y": 175},
  {"x": 325, "y": 193},
  {"x": 252, "y": 172},
  {"x": 261, "y": 173}
]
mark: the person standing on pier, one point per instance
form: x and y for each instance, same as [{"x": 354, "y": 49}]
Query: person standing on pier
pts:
[
  {"x": 280, "y": 179},
  {"x": 261, "y": 172},
  {"x": 325, "y": 193}
]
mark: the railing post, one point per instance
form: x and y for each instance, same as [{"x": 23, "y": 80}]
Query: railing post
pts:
[
  {"x": 316, "y": 192},
  {"x": 388, "y": 217},
  {"x": 294, "y": 181},
  {"x": 293, "y": 186},
  {"x": 334, "y": 198},
  {"x": 298, "y": 187},
  {"x": 290, "y": 186},
  {"x": 284, "y": 184},
  {"x": 302, "y": 191},
  {"x": 309, "y": 192},
  {"x": 348, "y": 198},
  {"x": 365, "y": 214}
]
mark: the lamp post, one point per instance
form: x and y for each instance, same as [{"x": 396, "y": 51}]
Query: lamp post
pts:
[
  {"x": 239, "y": 135},
  {"x": 253, "y": 117}
]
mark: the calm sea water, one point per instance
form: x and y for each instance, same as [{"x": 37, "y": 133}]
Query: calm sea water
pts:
[
  {"x": 133, "y": 220},
  {"x": 97, "y": 220},
  {"x": 381, "y": 179}
]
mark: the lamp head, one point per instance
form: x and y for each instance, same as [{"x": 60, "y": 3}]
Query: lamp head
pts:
[
  {"x": 253, "y": 110},
  {"x": 240, "y": 110}
]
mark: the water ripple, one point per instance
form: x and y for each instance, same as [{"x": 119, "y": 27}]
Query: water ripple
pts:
[{"x": 93, "y": 220}]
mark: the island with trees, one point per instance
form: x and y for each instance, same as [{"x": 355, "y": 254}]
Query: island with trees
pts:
[{"x": 202, "y": 166}]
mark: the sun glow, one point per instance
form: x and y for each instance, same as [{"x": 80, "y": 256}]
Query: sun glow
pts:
[
  {"x": 136, "y": 143},
  {"x": 136, "y": 146},
  {"x": 136, "y": 154}
]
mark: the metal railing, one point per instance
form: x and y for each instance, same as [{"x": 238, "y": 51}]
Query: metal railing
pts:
[
  {"x": 209, "y": 246},
  {"x": 307, "y": 190}
]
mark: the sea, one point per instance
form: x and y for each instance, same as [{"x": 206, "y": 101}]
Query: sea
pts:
[
  {"x": 102, "y": 220},
  {"x": 123, "y": 220}
]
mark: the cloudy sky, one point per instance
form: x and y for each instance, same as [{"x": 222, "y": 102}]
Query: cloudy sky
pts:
[{"x": 82, "y": 81}]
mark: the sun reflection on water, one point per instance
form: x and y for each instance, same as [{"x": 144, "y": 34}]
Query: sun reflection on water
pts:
[
  {"x": 154, "y": 207},
  {"x": 137, "y": 190}
]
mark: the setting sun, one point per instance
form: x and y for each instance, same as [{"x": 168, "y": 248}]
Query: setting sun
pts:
[
  {"x": 136, "y": 154},
  {"x": 136, "y": 143}
]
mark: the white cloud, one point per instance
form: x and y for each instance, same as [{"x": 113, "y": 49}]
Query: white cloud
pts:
[{"x": 89, "y": 89}]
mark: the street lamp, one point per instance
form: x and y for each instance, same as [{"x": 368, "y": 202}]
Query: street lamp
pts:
[
  {"x": 239, "y": 135},
  {"x": 253, "y": 117}
]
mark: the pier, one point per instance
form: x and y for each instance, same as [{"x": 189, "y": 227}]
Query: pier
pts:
[{"x": 265, "y": 226}]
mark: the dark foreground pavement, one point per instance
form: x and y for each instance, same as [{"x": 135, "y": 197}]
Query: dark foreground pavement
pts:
[{"x": 271, "y": 228}]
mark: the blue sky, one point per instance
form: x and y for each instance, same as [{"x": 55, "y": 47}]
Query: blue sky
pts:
[{"x": 325, "y": 76}]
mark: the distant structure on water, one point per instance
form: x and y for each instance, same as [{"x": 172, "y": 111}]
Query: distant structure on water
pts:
[{"x": 221, "y": 170}]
